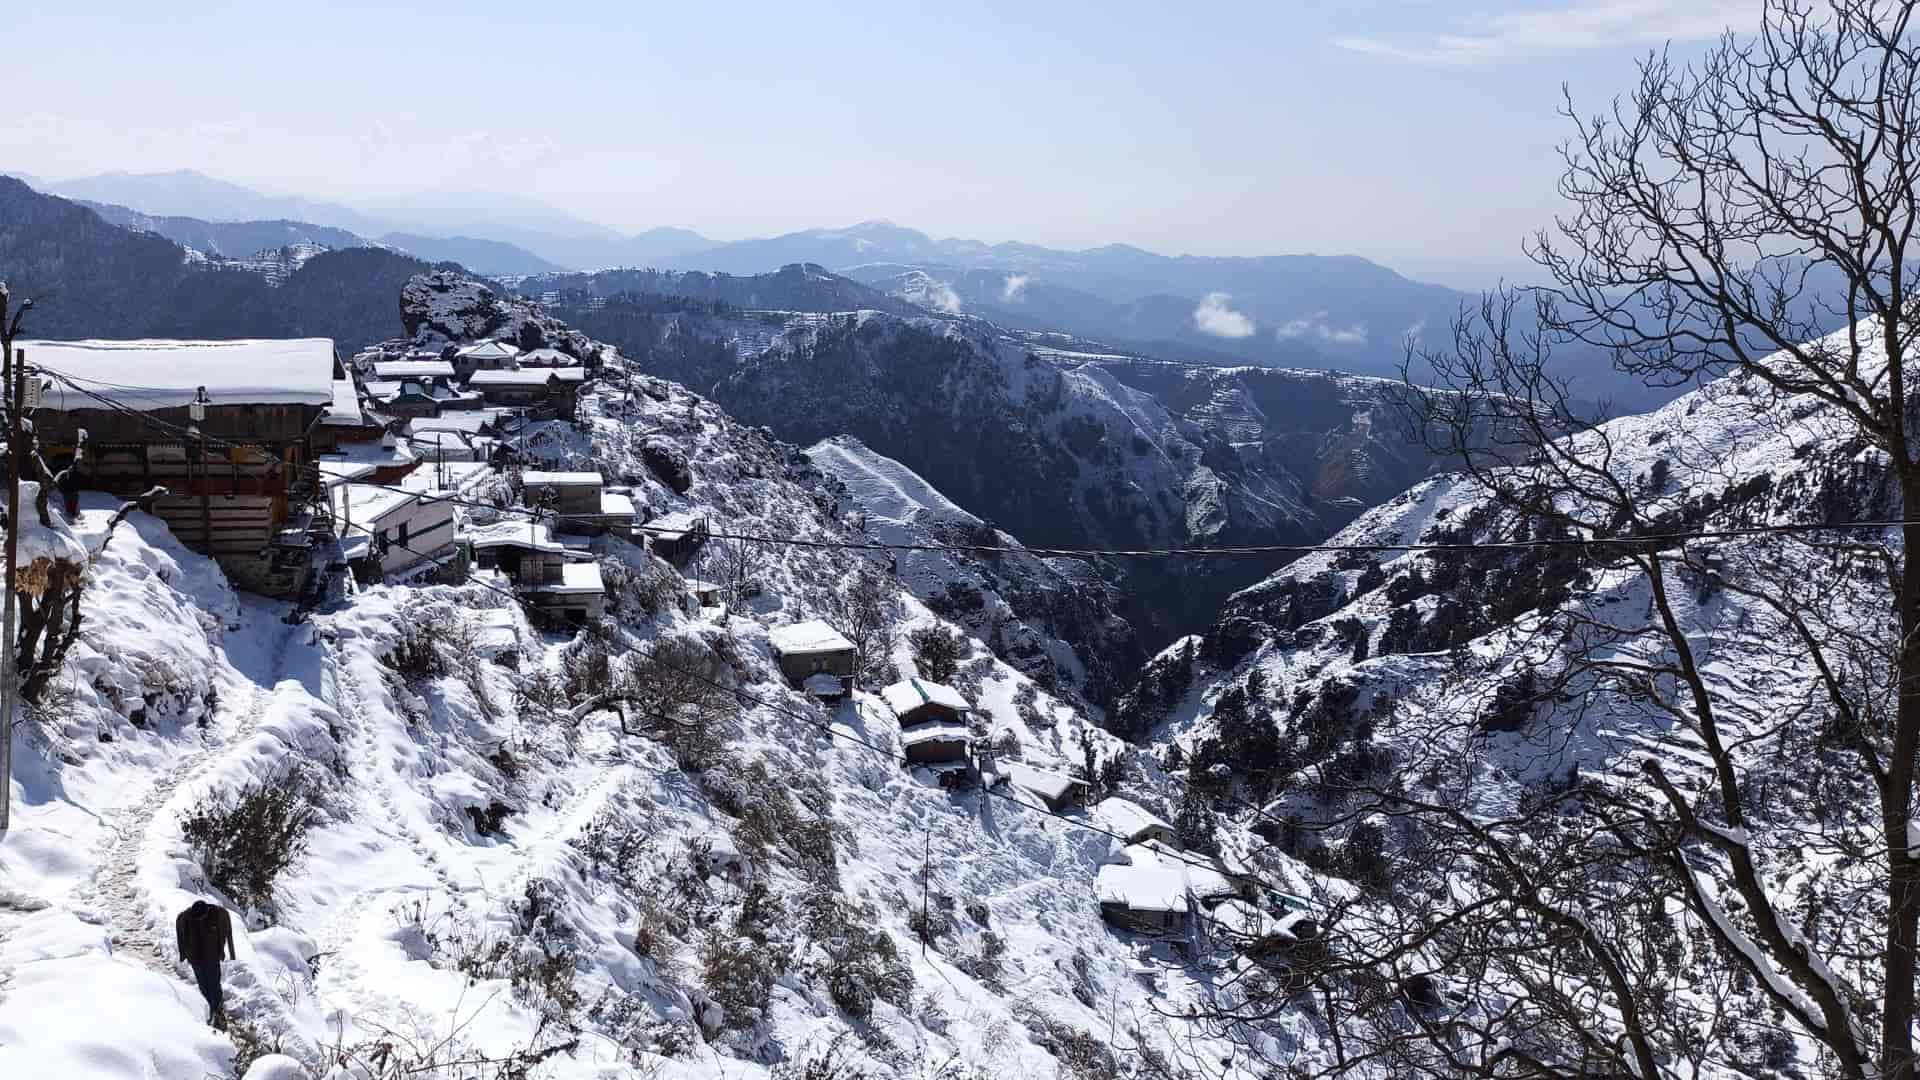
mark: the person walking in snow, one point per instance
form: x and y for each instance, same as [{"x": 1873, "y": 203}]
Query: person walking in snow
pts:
[{"x": 203, "y": 932}]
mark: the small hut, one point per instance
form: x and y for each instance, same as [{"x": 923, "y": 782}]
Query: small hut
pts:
[
  {"x": 1134, "y": 822},
  {"x": 1146, "y": 897},
  {"x": 813, "y": 648},
  {"x": 1057, "y": 790}
]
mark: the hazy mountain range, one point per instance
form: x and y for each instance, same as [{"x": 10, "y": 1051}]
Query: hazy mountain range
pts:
[{"x": 1332, "y": 312}]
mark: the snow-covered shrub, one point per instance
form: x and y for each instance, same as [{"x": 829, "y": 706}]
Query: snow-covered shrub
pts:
[
  {"x": 738, "y": 974},
  {"x": 853, "y": 952},
  {"x": 675, "y": 692},
  {"x": 244, "y": 841},
  {"x": 1080, "y": 1054},
  {"x": 937, "y": 652}
]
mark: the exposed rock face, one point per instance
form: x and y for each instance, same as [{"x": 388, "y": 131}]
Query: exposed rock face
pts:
[{"x": 446, "y": 306}]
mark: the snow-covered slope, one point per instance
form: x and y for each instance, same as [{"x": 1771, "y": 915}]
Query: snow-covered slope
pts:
[
  {"x": 1489, "y": 679},
  {"x": 1052, "y": 438},
  {"x": 1055, "y": 619},
  {"x": 503, "y": 866}
]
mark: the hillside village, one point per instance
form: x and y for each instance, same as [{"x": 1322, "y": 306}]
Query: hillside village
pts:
[{"x": 515, "y": 625}]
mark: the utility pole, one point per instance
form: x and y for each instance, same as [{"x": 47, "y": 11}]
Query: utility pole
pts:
[{"x": 9, "y": 676}]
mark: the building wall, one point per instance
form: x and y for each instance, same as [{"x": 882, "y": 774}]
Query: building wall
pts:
[
  {"x": 797, "y": 666},
  {"x": 428, "y": 529},
  {"x": 937, "y": 752}
]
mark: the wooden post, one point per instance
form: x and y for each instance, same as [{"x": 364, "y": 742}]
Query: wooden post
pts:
[{"x": 9, "y": 675}]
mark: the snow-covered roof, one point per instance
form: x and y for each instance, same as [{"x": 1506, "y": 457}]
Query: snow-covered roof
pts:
[
  {"x": 413, "y": 369},
  {"x": 1240, "y": 917},
  {"x": 526, "y": 377},
  {"x": 576, "y": 579},
  {"x": 1129, "y": 819},
  {"x": 561, "y": 479},
  {"x": 548, "y": 358},
  {"x": 367, "y": 504},
  {"x": 512, "y": 533},
  {"x": 674, "y": 526},
  {"x": 465, "y": 421},
  {"x": 946, "y": 731},
  {"x": 1048, "y": 785},
  {"x": 911, "y": 693},
  {"x": 812, "y": 636},
  {"x": 488, "y": 350},
  {"x": 160, "y": 374},
  {"x": 344, "y": 411},
  {"x": 617, "y": 504},
  {"x": 339, "y": 471},
  {"x": 1149, "y": 887}
]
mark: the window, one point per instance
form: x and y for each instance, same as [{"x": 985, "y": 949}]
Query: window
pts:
[{"x": 403, "y": 534}]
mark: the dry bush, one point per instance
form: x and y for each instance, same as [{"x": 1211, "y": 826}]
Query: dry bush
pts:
[
  {"x": 244, "y": 841},
  {"x": 676, "y": 691}
]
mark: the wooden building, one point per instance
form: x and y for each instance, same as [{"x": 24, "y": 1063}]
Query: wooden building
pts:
[
  {"x": 1146, "y": 896},
  {"x": 1133, "y": 821},
  {"x": 933, "y": 721},
  {"x": 809, "y": 649},
  {"x": 1057, "y": 790},
  {"x": 227, "y": 427},
  {"x": 676, "y": 536},
  {"x": 555, "y": 388},
  {"x": 485, "y": 356},
  {"x": 555, "y": 588}
]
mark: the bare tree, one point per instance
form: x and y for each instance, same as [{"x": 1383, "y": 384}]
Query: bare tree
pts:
[
  {"x": 864, "y": 608},
  {"x": 1692, "y": 912}
]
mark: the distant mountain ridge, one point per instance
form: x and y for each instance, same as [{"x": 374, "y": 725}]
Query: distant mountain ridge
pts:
[
  {"x": 441, "y": 225},
  {"x": 91, "y": 278}
]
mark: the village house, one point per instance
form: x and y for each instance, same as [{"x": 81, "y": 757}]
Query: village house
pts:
[
  {"x": 1133, "y": 822},
  {"x": 554, "y": 586},
  {"x": 814, "y": 657},
  {"x": 485, "y": 356},
  {"x": 554, "y": 388},
  {"x": 1057, "y": 790},
  {"x": 347, "y": 420},
  {"x": 676, "y": 536},
  {"x": 1145, "y": 896},
  {"x": 385, "y": 532},
  {"x": 579, "y": 502},
  {"x": 496, "y": 636},
  {"x": 227, "y": 427},
  {"x": 933, "y": 721},
  {"x": 387, "y": 460}
]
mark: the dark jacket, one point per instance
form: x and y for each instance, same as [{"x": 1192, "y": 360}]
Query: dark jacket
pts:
[{"x": 203, "y": 932}]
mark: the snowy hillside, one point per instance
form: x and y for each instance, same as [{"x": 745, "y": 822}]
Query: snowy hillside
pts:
[
  {"x": 1057, "y": 620},
  {"x": 1354, "y": 684},
  {"x": 1052, "y": 439},
  {"x": 706, "y": 874}
]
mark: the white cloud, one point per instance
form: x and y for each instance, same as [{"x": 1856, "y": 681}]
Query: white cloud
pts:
[
  {"x": 1571, "y": 27},
  {"x": 1015, "y": 286},
  {"x": 1213, "y": 316},
  {"x": 1316, "y": 328},
  {"x": 941, "y": 296}
]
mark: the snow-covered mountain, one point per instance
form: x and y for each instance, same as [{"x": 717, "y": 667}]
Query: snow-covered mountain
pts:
[
  {"x": 1064, "y": 445},
  {"x": 1058, "y": 620},
  {"x": 499, "y": 865},
  {"x": 1493, "y": 679}
]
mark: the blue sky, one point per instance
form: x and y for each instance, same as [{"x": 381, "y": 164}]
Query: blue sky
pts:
[{"x": 1417, "y": 133}]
